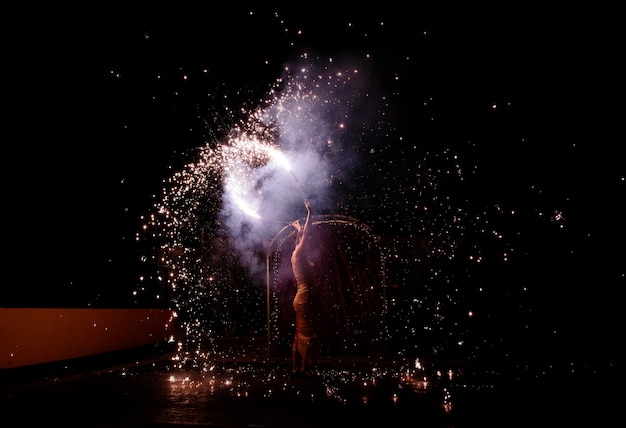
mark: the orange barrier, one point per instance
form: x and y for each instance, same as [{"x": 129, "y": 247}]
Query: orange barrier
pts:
[{"x": 31, "y": 335}]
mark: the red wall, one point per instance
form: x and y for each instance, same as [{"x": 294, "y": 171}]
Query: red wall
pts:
[{"x": 32, "y": 335}]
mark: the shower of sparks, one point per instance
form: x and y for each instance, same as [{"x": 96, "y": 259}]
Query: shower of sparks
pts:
[{"x": 324, "y": 135}]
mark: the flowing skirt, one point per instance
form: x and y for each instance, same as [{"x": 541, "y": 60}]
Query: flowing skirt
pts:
[{"x": 305, "y": 341}]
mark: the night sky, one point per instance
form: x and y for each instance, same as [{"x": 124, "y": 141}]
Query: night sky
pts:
[{"x": 486, "y": 133}]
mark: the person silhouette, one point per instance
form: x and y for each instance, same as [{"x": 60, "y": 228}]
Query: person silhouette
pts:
[{"x": 305, "y": 348}]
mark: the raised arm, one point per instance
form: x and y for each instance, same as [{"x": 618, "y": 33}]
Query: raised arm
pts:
[
  {"x": 307, "y": 204},
  {"x": 302, "y": 233}
]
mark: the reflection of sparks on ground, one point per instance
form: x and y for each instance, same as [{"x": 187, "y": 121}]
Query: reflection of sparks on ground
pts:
[{"x": 347, "y": 383}]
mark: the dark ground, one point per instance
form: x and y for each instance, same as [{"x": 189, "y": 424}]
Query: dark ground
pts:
[{"x": 239, "y": 386}]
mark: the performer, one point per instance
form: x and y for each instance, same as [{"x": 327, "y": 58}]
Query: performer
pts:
[{"x": 305, "y": 349}]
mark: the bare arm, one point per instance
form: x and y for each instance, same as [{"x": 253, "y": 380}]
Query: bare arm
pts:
[
  {"x": 307, "y": 204},
  {"x": 301, "y": 239}
]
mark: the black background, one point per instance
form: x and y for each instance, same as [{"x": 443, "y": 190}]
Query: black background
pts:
[{"x": 85, "y": 152}]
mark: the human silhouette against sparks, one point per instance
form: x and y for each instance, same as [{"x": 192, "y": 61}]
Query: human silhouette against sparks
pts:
[{"x": 305, "y": 348}]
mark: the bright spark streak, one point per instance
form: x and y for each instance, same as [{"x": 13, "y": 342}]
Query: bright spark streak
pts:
[
  {"x": 280, "y": 157},
  {"x": 246, "y": 208}
]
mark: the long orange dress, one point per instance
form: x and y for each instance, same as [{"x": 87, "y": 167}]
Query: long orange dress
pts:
[{"x": 305, "y": 343}]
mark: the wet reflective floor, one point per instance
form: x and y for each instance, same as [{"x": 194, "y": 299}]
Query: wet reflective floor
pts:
[{"x": 244, "y": 390}]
